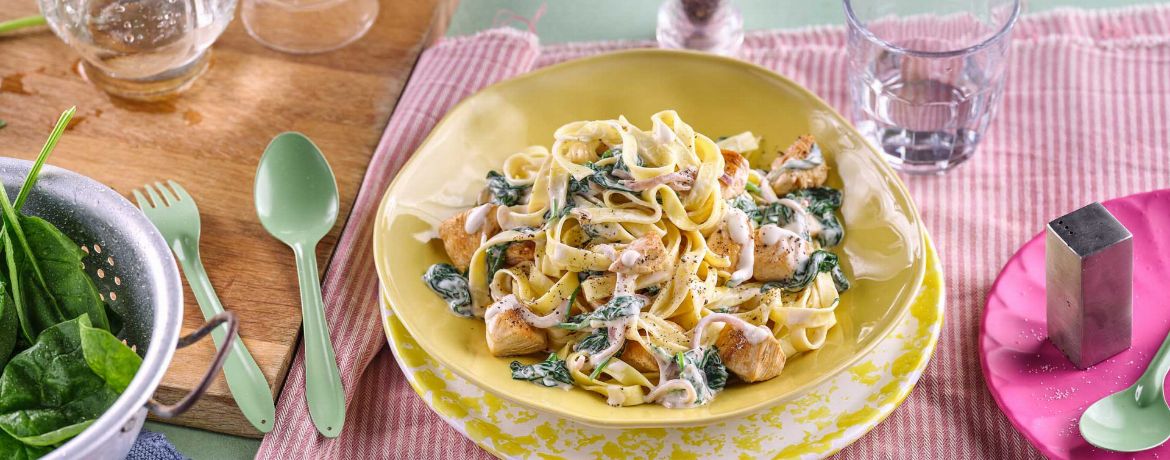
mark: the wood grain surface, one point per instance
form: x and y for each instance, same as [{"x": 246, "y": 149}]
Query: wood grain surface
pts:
[{"x": 210, "y": 139}]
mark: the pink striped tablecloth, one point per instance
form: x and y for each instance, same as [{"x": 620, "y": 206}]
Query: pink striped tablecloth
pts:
[{"x": 1084, "y": 118}]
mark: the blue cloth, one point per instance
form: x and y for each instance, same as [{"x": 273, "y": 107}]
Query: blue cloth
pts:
[{"x": 151, "y": 445}]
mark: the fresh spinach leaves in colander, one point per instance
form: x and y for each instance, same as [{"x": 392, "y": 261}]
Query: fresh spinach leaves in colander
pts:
[{"x": 62, "y": 364}]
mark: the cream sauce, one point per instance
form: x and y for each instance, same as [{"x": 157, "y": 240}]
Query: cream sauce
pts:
[
  {"x": 754, "y": 334},
  {"x": 663, "y": 134},
  {"x": 630, "y": 257},
  {"x": 477, "y": 217},
  {"x": 771, "y": 234},
  {"x": 740, "y": 230},
  {"x": 662, "y": 392}
]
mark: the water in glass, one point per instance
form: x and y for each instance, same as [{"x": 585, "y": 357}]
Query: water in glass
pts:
[{"x": 925, "y": 86}]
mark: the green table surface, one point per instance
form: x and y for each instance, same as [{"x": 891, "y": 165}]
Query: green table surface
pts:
[{"x": 577, "y": 20}]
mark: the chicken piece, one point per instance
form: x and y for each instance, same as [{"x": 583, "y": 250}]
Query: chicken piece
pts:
[
  {"x": 786, "y": 180},
  {"x": 643, "y": 255},
  {"x": 735, "y": 174},
  {"x": 777, "y": 253},
  {"x": 461, "y": 244},
  {"x": 509, "y": 335},
  {"x": 750, "y": 362},
  {"x": 637, "y": 357},
  {"x": 721, "y": 243},
  {"x": 519, "y": 252}
]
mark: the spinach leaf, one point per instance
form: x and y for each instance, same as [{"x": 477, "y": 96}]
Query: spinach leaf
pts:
[
  {"x": 495, "y": 258},
  {"x": 603, "y": 175},
  {"x": 745, "y": 204},
  {"x": 818, "y": 200},
  {"x": 550, "y": 373},
  {"x": 819, "y": 262},
  {"x": 503, "y": 192},
  {"x": 12, "y": 449},
  {"x": 579, "y": 187},
  {"x": 617, "y": 308},
  {"x": 554, "y": 213},
  {"x": 107, "y": 356},
  {"x": 597, "y": 341},
  {"x": 704, "y": 369},
  {"x": 707, "y": 360},
  {"x": 45, "y": 275},
  {"x": 48, "y": 393},
  {"x": 9, "y": 325},
  {"x": 822, "y": 203},
  {"x": 59, "y": 259},
  {"x": 451, "y": 286},
  {"x": 36, "y": 309},
  {"x": 582, "y": 276}
]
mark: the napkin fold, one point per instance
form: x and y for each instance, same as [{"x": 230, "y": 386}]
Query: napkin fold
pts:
[{"x": 1084, "y": 118}]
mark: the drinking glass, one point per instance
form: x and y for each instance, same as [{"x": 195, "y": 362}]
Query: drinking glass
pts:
[
  {"x": 140, "y": 49},
  {"x": 714, "y": 26},
  {"x": 926, "y": 76},
  {"x": 308, "y": 26}
]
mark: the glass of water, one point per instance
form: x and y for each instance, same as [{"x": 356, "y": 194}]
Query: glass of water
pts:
[
  {"x": 140, "y": 49},
  {"x": 308, "y": 26},
  {"x": 926, "y": 76}
]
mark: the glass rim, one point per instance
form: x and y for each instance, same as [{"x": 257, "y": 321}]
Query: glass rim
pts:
[{"x": 856, "y": 23}]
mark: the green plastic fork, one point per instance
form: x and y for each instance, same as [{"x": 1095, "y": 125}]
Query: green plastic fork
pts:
[{"x": 174, "y": 213}]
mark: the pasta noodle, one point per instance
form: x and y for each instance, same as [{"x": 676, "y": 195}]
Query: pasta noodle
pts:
[{"x": 648, "y": 265}]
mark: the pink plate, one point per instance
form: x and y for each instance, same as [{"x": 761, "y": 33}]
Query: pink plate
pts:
[{"x": 1034, "y": 384}]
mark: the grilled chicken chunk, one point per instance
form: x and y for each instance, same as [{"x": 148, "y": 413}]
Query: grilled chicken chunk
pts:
[
  {"x": 721, "y": 243},
  {"x": 637, "y": 357},
  {"x": 735, "y": 174},
  {"x": 750, "y": 362},
  {"x": 519, "y": 252},
  {"x": 643, "y": 255},
  {"x": 509, "y": 335},
  {"x": 785, "y": 180},
  {"x": 778, "y": 259},
  {"x": 461, "y": 244}
]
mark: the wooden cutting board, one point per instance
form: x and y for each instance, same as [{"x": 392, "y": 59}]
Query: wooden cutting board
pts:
[{"x": 210, "y": 140}]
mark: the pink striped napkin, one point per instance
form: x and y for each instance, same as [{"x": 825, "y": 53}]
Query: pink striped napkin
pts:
[{"x": 1084, "y": 118}]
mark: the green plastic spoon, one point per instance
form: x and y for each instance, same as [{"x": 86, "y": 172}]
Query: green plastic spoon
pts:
[
  {"x": 1136, "y": 418},
  {"x": 296, "y": 199}
]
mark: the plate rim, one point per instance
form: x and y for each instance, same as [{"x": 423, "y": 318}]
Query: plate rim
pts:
[
  {"x": 887, "y": 171},
  {"x": 892, "y": 404}
]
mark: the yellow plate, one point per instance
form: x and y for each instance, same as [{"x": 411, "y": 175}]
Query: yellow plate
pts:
[{"x": 882, "y": 253}]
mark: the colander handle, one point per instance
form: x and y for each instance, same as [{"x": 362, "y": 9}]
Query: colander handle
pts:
[{"x": 233, "y": 325}]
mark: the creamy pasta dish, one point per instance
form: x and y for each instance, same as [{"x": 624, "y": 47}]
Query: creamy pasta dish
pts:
[{"x": 649, "y": 266}]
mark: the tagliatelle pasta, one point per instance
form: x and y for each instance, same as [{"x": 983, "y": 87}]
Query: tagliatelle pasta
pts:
[{"x": 649, "y": 266}]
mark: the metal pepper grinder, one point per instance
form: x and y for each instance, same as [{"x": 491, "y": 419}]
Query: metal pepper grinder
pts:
[{"x": 1089, "y": 257}]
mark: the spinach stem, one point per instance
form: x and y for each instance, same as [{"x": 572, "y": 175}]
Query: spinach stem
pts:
[
  {"x": 597, "y": 371},
  {"x": 46, "y": 149},
  {"x": 20, "y": 23}
]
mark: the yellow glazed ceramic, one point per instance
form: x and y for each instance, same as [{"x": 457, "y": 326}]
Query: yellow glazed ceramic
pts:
[
  {"x": 815, "y": 425},
  {"x": 883, "y": 252}
]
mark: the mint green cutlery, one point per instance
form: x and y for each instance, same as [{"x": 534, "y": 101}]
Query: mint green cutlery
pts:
[
  {"x": 296, "y": 199},
  {"x": 1136, "y": 418},
  {"x": 173, "y": 212}
]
